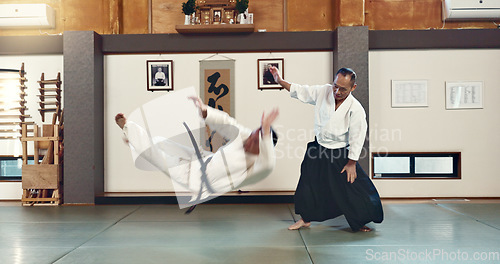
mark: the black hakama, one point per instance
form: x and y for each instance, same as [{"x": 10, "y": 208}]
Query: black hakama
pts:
[{"x": 323, "y": 192}]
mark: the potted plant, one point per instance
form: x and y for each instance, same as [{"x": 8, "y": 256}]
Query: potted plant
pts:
[
  {"x": 188, "y": 8},
  {"x": 242, "y": 8}
]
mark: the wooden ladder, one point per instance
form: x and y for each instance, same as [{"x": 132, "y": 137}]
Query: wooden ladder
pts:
[
  {"x": 12, "y": 110},
  {"x": 50, "y": 97}
]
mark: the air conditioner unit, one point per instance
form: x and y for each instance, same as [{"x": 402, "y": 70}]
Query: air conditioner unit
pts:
[
  {"x": 27, "y": 15},
  {"x": 471, "y": 9}
]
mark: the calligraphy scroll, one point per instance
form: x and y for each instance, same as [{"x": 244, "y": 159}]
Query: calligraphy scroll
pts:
[{"x": 217, "y": 91}]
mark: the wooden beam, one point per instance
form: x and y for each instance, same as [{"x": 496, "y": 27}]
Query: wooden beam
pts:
[
  {"x": 247, "y": 42},
  {"x": 38, "y": 45},
  {"x": 434, "y": 39}
]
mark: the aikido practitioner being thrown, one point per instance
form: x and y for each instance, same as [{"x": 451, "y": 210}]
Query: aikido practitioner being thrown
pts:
[{"x": 247, "y": 159}]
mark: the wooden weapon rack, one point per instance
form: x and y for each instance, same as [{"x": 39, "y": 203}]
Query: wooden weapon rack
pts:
[
  {"x": 42, "y": 181},
  {"x": 12, "y": 110},
  {"x": 50, "y": 97}
]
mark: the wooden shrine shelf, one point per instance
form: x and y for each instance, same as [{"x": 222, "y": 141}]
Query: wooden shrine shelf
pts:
[{"x": 215, "y": 28}]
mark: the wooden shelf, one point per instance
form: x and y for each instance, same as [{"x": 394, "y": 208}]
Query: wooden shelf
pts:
[{"x": 215, "y": 28}]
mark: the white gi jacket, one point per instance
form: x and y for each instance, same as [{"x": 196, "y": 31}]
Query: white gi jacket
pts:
[
  {"x": 334, "y": 129},
  {"x": 228, "y": 169}
]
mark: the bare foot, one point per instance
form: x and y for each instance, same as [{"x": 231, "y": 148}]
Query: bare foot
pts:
[
  {"x": 120, "y": 120},
  {"x": 365, "y": 229},
  {"x": 299, "y": 224}
]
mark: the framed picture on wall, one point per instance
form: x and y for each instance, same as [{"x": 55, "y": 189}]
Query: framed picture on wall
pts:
[
  {"x": 160, "y": 75},
  {"x": 216, "y": 15},
  {"x": 409, "y": 93},
  {"x": 464, "y": 95},
  {"x": 265, "y": 78}
]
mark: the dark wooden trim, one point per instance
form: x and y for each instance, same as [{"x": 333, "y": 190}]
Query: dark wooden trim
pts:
[
  {"x": 260, "y": 42},
  {"x": 471, "y": 199},
  {"x": 224, "y": 199},
  {"x": 413, "y": 178},
  {"x": 418, "y": 152},
  {"x": 171, "y": 197},
  {"x": 31, "y": 45},
  {"x": 202, "y": 43},
  {"x": 167, "y": 193},
  {"x": 434, "y": 39}
]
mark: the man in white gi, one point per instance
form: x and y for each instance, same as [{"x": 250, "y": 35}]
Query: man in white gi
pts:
[
  {"x": 247, "y": 159},
  {"x": 331, "y": 182},
  {"x": 160, "y": 78}
]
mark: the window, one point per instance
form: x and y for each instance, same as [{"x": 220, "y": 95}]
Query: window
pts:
[
  {"x": 428, "y": 165},
  {"x": 11, "y": 167}
]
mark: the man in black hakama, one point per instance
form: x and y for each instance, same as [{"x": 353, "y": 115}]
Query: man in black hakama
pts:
[{"x": 331, "y": 182}]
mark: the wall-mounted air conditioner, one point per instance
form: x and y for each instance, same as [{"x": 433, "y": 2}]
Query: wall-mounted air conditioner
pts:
[
  {"x": 471, "y": 10},
  {"x": 26, "y": 15}
]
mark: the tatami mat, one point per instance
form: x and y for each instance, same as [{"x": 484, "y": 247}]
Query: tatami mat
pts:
[{"x": 246, "y": 233}]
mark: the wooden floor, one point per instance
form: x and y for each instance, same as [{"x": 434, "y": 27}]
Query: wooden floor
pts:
[{"x": 413, "y": 231}]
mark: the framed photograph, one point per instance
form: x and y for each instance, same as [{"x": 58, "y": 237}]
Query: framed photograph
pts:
[
  {"x": 265, "y": 78},
  {"x": 160, "y": 75},
  {"x": 217, "y": 15},
  {"x": 409, "y": 93},
  {"x": 464, "y": 95}
]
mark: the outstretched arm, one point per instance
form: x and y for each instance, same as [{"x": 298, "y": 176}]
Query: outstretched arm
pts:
[
  {"x": 266, "y": 160},
  {"x": 305, "y": 93},
  {"x": 201, "y": 106},
  {"x": 218, "y": 120},
  {"x": 267, "y": 121},
  {"x": 278, "y": 78}
]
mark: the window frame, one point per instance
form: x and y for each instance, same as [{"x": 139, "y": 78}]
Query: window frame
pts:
[
  {"x": 16, "y": 178},
  {"x": 455, "y": 175}
]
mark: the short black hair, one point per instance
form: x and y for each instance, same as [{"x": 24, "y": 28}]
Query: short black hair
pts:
[{"x": 346, "y": 72}]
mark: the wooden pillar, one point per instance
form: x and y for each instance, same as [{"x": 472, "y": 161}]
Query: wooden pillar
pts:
[{"x": 83, "y": 117}]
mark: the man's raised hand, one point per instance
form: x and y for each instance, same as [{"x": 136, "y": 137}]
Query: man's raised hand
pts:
[{"x": 267, "y": 121}]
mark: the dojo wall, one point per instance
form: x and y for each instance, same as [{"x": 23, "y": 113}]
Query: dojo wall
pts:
[
  {"x": 474, "y": 132},
  {"x": 125, "y": 90},
  {"x": 34, "y": 65}
]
